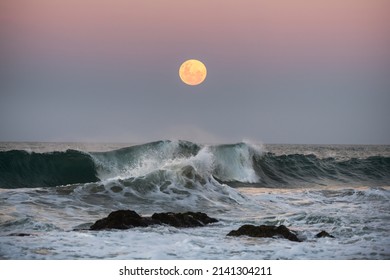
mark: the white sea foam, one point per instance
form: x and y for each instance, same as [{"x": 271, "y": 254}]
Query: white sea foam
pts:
[
  {"x": 228, "y": 163},
  {"x": 360, "y": 228},
  {"x": 179, "y": 177}
]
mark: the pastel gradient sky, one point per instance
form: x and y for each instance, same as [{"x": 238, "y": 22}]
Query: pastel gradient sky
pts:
[{"x": 280, "y": 71}]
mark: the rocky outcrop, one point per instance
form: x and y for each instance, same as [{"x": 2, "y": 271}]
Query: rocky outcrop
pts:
[
  {"x": 265, "y": 231},
  {"x": 324, "y": 234},
  {"x": 188, "y": 219},
  {"x": 125, "y": 219},
  {"x": 122, "y": 219},
  {"x": 22, "y": 234}
]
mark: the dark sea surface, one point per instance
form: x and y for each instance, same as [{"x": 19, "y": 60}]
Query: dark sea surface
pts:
[{"x": 51, "y": 192}]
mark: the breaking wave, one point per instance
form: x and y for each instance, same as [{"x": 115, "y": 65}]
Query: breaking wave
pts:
[{"x": 165, "y": 163}]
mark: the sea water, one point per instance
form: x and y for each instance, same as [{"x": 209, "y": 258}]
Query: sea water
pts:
[{"x": 50, "y": 193}]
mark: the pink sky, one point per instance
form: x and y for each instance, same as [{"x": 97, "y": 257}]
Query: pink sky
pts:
[
  {"x": 235, "y": 29},
  {"x": 290, "y": 71}
]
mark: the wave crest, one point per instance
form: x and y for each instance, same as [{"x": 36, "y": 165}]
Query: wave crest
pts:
[{"x": 234, "y": 164}]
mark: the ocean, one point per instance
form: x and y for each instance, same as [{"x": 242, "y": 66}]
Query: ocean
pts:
[{"x": 51, "y": 193}]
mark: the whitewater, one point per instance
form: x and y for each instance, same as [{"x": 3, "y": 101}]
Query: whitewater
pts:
[{"x": 50, "y": 193}]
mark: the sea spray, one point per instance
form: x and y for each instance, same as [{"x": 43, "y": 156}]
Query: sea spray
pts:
[
  {"x": 343, "y": 190},
  {"x": 241, "y": 163}
]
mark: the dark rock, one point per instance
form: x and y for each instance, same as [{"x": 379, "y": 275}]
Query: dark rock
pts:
[
  {"x": 324, "y": 234},
  {"x": 265, "y": 231},
  {"x": 125, "y": 219},
  {"x": 22, "y": 234},
  {"x": 188, "y": 219},
  {"x": 122, "y": 219}
]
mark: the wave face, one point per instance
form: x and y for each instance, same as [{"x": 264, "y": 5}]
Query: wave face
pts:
[
  {"x": 167, "y": 163},
  {"x": 298, "y": 169},
  {"x": 23, "y": 169}
]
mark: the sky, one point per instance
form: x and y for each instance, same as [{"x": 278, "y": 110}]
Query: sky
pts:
[{"x": 280, "y": 71}]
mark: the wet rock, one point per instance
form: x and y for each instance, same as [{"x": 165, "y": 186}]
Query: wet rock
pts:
[
  {"x": 265, "y": 231},
  {"x": 22, "y": 234},
  {"x": 122, "y": 219},
  {"x": 188, "y": 219},
  {"x": 125, "y": 219},
  {"x": 324, "y": 234}
]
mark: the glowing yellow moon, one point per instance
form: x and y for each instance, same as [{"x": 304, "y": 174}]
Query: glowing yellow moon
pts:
[{"x": 192, "y": 72}]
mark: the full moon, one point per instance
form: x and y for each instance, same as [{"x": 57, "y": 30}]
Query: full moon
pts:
[{"x": 192, "y": 72}]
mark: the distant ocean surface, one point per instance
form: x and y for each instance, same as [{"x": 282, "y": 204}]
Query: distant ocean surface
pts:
[{"x": 51, "y": 192}]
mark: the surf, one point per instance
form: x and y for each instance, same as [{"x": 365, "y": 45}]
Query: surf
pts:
[{"x": 175, "y": 162}]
